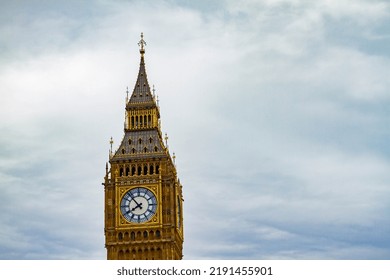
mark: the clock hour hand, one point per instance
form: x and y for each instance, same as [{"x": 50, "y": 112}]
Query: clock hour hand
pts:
[{"x": 138, "y": 206}]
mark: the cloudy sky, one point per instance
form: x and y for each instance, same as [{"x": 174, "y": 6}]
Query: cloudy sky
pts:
[{"x": 277, "y": 110}]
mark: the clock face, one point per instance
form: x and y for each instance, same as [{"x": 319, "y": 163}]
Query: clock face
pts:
[{"x": 138, "y": 205}]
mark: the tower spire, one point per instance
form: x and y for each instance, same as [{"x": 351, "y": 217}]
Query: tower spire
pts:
[{"x": 142, "y": 92}]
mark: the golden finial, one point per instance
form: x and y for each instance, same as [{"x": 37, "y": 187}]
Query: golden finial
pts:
[
  {"x": 142, "y": 44},
  {"x": 174, "y": 159},
  {"x": 111, "y": 142},
  {"x": 166, "y": 140}
]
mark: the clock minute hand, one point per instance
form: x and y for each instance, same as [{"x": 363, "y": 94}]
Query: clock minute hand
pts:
[{"x": 138, "y": 204}]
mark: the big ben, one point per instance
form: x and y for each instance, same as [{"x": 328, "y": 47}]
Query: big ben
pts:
[{"x": 143, "y": 196}]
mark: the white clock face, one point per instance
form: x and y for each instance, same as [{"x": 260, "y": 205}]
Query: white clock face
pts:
[{"x": 138, "y": 205}]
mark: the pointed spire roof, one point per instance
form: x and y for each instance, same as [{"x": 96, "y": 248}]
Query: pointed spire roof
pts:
[
  {"x": 141, "y": 141},
  {"x": 141, "y": 92}
]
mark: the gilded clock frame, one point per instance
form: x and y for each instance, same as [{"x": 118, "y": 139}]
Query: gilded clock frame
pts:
[{"x": 156, "y": 218}]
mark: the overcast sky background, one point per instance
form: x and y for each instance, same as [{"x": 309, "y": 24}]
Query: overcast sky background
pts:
[{"x": 277, "y": 110}]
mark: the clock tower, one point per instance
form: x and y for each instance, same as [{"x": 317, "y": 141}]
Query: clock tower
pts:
[{"x": 143, "y": 197}]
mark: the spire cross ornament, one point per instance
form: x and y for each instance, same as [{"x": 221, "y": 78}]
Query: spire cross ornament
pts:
[{"x": 142, "y": 43}]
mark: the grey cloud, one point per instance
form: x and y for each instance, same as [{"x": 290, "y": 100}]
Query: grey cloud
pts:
[{"x": 279, "y": 130}]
